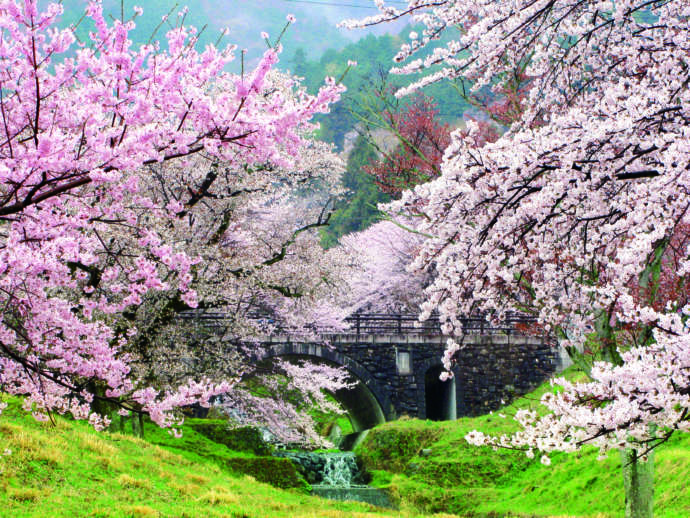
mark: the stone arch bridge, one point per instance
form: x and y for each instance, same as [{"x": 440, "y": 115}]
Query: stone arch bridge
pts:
[{"x": 397, "y": 363}]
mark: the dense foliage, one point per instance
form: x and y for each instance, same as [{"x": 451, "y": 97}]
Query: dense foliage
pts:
[
  {"x": 121, "y": 166},
  {"x": 372, "y": 55},
  {"x": 357, "y": 209}
]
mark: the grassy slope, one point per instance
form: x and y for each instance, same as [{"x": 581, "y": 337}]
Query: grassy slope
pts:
[
  {"x": 68, "y": 470},
  {"x": 457, "y": 477}
]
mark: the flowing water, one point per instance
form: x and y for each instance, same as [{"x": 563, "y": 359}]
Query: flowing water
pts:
[
  {"x": 340, "y": 469},
  {"x": 342, "y": 480}
]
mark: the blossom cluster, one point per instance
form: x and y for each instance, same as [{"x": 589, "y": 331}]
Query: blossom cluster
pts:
[
  {"x": 84, "y": 125},
  {"x": 289, "y": 419},
  {"x": 574, "y": 213}
]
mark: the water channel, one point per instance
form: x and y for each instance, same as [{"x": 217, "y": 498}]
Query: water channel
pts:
[
  {"x": 337, "y": 476},
  {"x": 340, "y": 477}
]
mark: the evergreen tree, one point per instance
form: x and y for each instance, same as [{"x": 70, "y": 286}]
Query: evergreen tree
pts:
[
  {"x": 357, "y": 210},
  {"x": 299, "y": 63}
]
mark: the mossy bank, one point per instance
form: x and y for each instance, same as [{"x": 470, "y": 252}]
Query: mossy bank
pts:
[{"x": 430, "y": 466}]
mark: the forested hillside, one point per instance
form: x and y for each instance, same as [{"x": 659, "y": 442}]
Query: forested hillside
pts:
[
  {"x": 374, "y": 58},
  {"x": 357, "y": 210}
]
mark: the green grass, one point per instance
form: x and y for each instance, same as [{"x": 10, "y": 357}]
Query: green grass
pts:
[
  {"x": 66, "y": 469},
  {"x": 457, "y": 477}
]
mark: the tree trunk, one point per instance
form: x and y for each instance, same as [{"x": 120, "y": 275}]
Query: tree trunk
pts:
[
  {"x": 141, "y": 425},
  {"x": 638, "y": 480},
  {"x": 135, "y": 426},
  {"x": 116, "y": 422}
]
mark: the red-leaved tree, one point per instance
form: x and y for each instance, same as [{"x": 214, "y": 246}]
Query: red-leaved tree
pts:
[
  {"x": 577, "y": 214},
  {"x": 417, "y": 156}
]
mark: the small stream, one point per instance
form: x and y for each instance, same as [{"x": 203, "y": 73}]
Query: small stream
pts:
[
  {"x": 340, "y": 481},
  {"x": 336, "y": 475},
  {"x": 340, "y": 469}
]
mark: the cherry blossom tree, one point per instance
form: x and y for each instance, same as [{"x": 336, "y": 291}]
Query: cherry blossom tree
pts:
[
  {"x": 380, "y": 257},
  {"x": 262, "y": 271},
  {"x": 81, "y": 123},
  {"x": 501, "y": 95},
  {"x": 571, "y": 213},
  {"x": 283, "y": 400}
]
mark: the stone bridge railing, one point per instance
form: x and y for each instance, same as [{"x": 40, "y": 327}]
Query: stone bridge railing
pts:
[
  {"x": 409, "y": 324},
  {"x": 400, "y": 324}
]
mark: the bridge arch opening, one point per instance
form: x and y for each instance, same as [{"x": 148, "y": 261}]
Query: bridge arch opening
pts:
[
  {"x": 363, "y": 404},
  {"x": 362, "y": 407},
  {"x": 439, "y": 395}
]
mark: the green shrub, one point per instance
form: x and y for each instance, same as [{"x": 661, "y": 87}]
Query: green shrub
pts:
[
  {"x": 278, "y": 472},
  {"x": 246, "y": 439},
  {"x": 391, "y": 448}
]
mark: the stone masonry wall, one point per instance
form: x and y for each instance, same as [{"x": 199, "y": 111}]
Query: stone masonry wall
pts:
[{"x": 490, "y": 369}]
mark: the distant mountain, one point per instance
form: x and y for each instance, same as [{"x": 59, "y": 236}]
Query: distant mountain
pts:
[
  {"x": 315, "y": 29},
  {"x": 313, "y": 46}
]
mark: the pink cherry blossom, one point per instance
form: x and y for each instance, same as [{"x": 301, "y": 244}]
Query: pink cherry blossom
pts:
[
  {"x": 83, "y": 125},
  {"x": 578, "y": 214}
]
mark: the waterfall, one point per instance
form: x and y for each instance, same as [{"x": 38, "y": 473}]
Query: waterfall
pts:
[
  {"x": 340, "y": 469},
  {"x": 337, "y": 476}
]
